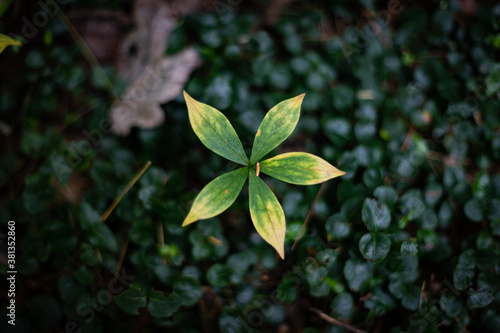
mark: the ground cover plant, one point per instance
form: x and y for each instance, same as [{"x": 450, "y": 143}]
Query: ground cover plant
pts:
[{"x": 401, "y": 95}]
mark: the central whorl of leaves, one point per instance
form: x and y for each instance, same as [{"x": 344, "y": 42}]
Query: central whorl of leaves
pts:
[{"x": 216, "y": 133}]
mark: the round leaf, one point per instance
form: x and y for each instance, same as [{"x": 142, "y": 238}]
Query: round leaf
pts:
[
  {"x": 356, "y": 272},
  {"x": 132, "y": 299},
  {"x": 374, "y": 246},
  {"x": 189, "y": 290},
  {"x": 160, "y": 306},
  {"x": 480, "y": 298},
  {"x": 375, "y": 217}
]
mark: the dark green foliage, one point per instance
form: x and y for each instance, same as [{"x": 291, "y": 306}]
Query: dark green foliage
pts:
[{"x": 408, "y": 240}]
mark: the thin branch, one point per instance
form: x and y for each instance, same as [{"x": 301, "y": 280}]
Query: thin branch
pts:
[
  {"x": 84, "y": 48},
  {"x": 129, "y": 186},
  {"x": 422, "y": 295},
  {"x": 161, "y": 239},
  {"x": 120, "y": 259},
  {"x": 336, "y": 322},
  {"x": 308, "y": 217}
]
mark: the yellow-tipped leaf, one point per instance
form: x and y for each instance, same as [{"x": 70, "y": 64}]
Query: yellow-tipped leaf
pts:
[
  {"x": 215, "y": 131},
  {"x": 267, "y": 214},
  {"x": 7, "y": 41},
  {"x": 217, "y": 196},
  {"x": 300, "y": 168},
  {"x": 276, "y": 126}
]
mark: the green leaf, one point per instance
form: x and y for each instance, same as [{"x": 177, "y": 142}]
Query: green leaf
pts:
[
  {"x": 267, "y": 214},
  {"x": 217, "y": 196},
  {"x": 480, "y": 298},
  {"x": 464, "y": 272},
  {"x": 7, "y": 41},
  {"x": 380, "y": 301},
  {"x": 215, "y": 131},
  {"x": 219, "y": 275},
  {"x": 336, "y": 227},
  {"x": 276, "y": 126},
  {"x": 375, "y": 217},
  {"x": 386, "y": 194},
  {"x": 409, "y": 246},
  {"x": 493, "y": 80},
  {"x": 375, "y": 246},
  {"x": 473, "y": 210},
  {"x": 450, "y": 304},
  {"x": 160, "y": 306},
  {"x": 411, "y": 297},
  {"x": 132, "y": 299},
  {"x": 343, "y": 306},
  {"x": 189, "y": 290},
  {"x": 300, "y": 168},
  {"x": 356, "y": 272}
]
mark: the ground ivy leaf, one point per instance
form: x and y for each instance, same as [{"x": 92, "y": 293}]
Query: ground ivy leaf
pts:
[
  {"x": 267, "y": 214},
  {"x": 217, "y": 196},
  {"x": 357, "y": 272},
  {"x": 7, "y": 41},
  {"x": 409, "y": 246},
  {"x": 375, "y": 246},
  {"x": 465, "y": 270},
  {"x": 215, "y": 131},
  {"x": 160, "y": 306},
  {"x": 132, "y": 299},
  {"x": 276, "y": 126},
  {"x": 375, "y": 217},
  {"x": 300, "y": 168},
  {"x": 480, "y": 298}
]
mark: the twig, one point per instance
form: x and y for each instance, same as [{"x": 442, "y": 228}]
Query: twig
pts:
[
  {"x": 120, "y": 259},
  {"x": 422, "y": 295},
  {"x": 129, "y": 186},
  {"x": 334, "y": 321},
  {"x": 161, "y": 239},
  {"x": 84, "y": 48},
  {"x": 406, "y": 142},
  {"x": 308, "y": 217}
]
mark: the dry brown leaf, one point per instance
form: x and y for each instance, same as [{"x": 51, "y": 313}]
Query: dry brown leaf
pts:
[{"x": 155, "y": 78}]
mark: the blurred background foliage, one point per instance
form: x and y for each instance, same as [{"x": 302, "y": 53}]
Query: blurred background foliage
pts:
[{"x": 401, "y": 95}]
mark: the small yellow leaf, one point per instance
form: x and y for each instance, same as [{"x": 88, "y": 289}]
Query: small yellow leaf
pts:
[{"x": 7, "y": 41}]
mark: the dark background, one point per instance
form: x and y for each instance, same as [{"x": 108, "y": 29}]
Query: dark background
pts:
[{"x": 401, "y": 95}]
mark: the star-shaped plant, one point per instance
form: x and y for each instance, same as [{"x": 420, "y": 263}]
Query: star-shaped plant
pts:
[{"x": 217, "y": 134}]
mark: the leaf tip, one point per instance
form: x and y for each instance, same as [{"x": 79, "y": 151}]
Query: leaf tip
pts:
[
  {"x": 188, "y": 220},
  {"x": 281, "y": 252},
  {"x": 300, "y": 98},
  {"x": 334, "y": 172}
]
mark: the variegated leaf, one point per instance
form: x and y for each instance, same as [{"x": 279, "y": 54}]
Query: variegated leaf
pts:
[
  {"x": 217, "y": 196},
  {"x": 215, "y": 131},
  {"x": 276, "y": 126},
  {"x": 7, "y": 41},
  {"x": 300, "y": 168},
  {"x": 266, "y": 213}
]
